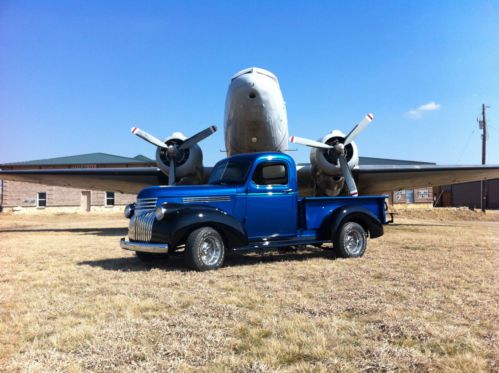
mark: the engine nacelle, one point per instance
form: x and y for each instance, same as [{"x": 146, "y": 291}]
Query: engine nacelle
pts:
[
  {"x": 189, "y": 163},
  {"x": 326, "y": 161},
  {"x": 326, "y": 170}
]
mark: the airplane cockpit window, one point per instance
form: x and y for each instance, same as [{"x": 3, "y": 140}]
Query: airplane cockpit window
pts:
[{"x": 271, "y": 174}]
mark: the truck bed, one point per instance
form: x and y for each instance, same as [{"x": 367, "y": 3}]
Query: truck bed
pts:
[{"x": 313, "y": 210}]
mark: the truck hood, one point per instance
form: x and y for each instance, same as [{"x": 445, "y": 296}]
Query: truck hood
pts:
[{"x": 162, "y": 192}]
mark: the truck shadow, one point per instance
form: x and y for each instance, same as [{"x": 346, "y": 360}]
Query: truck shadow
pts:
[
  {"x": 274, "y": 257},
  {"x": 175, "y": 262},
  {"x": 108, "y": 232}
]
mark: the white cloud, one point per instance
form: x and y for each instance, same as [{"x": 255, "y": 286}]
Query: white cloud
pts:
[{"x": 418, "y": 113}]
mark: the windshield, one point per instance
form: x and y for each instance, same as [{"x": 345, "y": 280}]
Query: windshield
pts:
[{"x": 230, "y": 172}]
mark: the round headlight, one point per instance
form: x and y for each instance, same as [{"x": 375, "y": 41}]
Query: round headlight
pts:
[
  {"x": 129, "y": 210},
  {"x": 160, "y": 213}
]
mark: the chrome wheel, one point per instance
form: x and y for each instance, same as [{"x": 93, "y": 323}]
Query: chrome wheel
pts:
[
  {"x": 353, "y": 241},
  {"x": 350, "y": 241},
  {"x": 204, "y": 249},
  {"x": 211, "y": 251}
]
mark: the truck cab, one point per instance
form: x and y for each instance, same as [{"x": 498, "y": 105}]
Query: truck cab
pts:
[{"x": 250, "y": 203}]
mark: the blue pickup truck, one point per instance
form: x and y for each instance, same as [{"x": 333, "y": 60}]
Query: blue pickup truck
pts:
[{"x": 250, "y": 203}]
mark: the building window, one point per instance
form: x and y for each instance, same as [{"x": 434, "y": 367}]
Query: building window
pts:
[
  {"x": 109, "y": 198},
  {"x": 41, "y": 201}
]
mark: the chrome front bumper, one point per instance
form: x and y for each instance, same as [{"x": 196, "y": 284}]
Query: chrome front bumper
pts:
[{"x": 144, "y": 247}]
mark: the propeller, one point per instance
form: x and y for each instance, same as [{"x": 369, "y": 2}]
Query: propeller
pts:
[
  {"x": 308, "y": 142},
  {"x": 148, "y": 137},
  {"x": 174, "y": 149},
  {"x": 339, "y": 147}
]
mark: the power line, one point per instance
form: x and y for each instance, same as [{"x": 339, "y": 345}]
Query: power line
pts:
[
  {"x": 465, "y": 146},
  {"x": 494, "y": 128}
]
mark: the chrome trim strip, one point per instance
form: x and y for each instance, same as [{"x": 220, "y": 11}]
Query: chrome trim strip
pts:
[
  {"x": 156, "y": 248},
  {"x": 206, "y": 199},
  {"x": 145, "y": 204}
]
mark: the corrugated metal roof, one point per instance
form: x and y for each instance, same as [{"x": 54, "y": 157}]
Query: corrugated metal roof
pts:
[
  {"x": 364, "y": 161},
  {"x": 91, "y": 158}
]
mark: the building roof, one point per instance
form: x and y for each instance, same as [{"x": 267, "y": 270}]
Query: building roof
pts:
[
  {"x": 142, "y": 158},
  {"x": 91, "y": 158},
  {"x": 104, "y": 158},
  {"x": 364, "y": 161}
]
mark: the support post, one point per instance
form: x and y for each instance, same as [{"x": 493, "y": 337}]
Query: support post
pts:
[{"x": 483, "y": 189}]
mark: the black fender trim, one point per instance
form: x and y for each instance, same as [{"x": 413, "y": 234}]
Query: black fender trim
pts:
[
  {"x": 331, "y": 225},
  {"x": 181, "y": 221}
]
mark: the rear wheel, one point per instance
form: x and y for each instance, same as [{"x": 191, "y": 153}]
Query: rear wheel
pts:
[
  {"x": 204, "y": 249},
  {"x": 351, "y": 241}
]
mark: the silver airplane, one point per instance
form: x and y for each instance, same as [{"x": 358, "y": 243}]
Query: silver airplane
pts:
[{"x": 256, "y": 121}]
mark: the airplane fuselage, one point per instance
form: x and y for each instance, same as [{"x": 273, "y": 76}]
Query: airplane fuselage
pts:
[{"x": 255, "y": 113}]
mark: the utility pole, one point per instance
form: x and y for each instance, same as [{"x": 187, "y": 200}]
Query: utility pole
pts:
[{"x": 483, "y": 127}]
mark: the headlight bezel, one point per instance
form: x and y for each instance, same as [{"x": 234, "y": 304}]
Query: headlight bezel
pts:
[
  {"x": 160, "y": 213},
  {"x": 129, "y": 210}
]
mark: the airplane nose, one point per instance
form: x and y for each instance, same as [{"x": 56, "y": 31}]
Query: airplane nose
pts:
[{"x": 251, "y": 88}]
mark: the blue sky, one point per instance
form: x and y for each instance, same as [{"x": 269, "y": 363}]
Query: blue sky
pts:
[{"x": 76, "y": 75}]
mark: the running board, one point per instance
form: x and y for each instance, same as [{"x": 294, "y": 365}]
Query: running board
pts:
[{"x": 272, "y": 245}]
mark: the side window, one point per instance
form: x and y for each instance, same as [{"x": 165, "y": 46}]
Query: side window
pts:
[{"x": 271, "y": 174}]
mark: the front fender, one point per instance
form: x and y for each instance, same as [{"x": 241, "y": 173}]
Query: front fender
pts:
[
  {"x": 331, "y": 225},
  {"x": 177, "y": 225}
]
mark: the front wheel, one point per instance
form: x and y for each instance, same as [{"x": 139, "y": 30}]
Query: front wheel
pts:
[
  {"x": 351, "y": 241},
  {"x": 204, "y": 249}
]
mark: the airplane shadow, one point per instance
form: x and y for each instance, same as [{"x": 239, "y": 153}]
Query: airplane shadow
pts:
[
  {"x": 175, "y": 262},
  {"x": 111, "y": 232}
]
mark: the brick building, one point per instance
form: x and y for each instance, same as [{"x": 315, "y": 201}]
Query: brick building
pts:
[{"x": 21, "y": 196}]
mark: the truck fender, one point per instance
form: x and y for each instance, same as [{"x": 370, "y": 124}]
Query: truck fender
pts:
[
  {"x": 370, "y": 222},
  {"x": 186, "y": 220}
]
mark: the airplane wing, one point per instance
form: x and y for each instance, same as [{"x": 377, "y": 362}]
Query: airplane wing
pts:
[
  {"x": 373, "y": 179},
  {"x": 124, "y": 180}
]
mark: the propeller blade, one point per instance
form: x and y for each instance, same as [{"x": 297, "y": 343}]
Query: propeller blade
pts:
[
  {"x": 171, "y": 172},
  {"x": 308, "y": 142},
  {"x": 361, "y": 126},
  {"x": 198, "y": 137},
  {"x": 148, "y": 137},
  {"x": 347, "y": 174}
]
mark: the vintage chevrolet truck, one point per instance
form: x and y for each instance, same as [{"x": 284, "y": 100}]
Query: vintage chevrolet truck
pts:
[{"x": 250, "y": 203}]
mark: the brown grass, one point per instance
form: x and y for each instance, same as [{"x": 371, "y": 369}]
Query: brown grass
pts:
[{"x": 423, "y": 298}]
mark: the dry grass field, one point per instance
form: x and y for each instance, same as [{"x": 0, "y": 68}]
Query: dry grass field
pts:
[{"x": 424, "y": 298}]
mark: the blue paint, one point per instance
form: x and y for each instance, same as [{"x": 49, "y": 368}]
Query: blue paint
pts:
[{"x": 267, "y": 212}]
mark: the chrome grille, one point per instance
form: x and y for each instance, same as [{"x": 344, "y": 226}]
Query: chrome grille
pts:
[
  {"x": 140, "y": 227},
  {"x": 206, "y": 199},
  {"x": 145, "y": 204}
]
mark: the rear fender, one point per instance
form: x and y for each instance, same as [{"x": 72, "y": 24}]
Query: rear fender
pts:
[{"x": 332, "y": 224}]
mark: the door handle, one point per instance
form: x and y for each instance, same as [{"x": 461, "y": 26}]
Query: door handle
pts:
[{"x": 289, "y": 190}]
